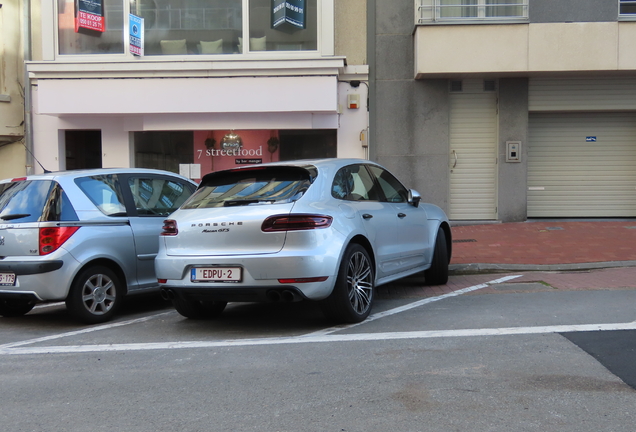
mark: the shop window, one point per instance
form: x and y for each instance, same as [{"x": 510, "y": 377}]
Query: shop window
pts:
[
  {"x": 283, "y": 25},
  {"x": 163, "y": 150},
  {"x": 183, "y": 27},
  {"x": 90, "y": 26},
  {"x": 308, "y": 144},
  {"x": 188, "y": 27}
]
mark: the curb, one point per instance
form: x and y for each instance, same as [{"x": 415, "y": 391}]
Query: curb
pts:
[{"x": 455, "y": 269}]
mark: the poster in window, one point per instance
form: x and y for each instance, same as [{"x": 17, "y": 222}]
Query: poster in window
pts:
[
  {"x": 89, "y": 15},
  {"x": 289, "y": 15},
  {"x": 136, "y": 27}
]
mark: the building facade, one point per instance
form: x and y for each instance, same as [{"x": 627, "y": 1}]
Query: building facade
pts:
[
  {"x": 13, "y": 151},
  {"x": 195, "y": 86},
  {"x": 507, "y": 110}
]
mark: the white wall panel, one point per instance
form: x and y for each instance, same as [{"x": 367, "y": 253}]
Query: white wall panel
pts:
[{"x": 317, "y": 94}]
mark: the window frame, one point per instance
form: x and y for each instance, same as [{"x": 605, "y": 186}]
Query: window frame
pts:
[
  {"x": 434, "y": 15},
  {"x": 626, "y": 16}
]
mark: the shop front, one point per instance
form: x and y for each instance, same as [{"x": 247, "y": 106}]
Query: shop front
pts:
[
  {"x": 195, "y": 125},
  {"x": 192, "y": 86}
]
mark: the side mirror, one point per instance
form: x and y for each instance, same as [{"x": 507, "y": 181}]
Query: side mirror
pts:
[{"x": 414, "y": 198}]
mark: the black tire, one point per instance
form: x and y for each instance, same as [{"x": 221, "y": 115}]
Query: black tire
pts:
[
  {"x": 95, "y": 295},
  {"x": 352, "y": 297},
  {"x": 15, "y": 308},
  {"x": 437, "y": 274},
  {"x": 196, "y": 309}
]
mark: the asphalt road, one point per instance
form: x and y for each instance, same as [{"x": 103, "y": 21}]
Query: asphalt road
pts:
[{"x": 520, "y": 357}]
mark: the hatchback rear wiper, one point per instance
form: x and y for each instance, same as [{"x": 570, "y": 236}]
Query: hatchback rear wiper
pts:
[{"x": 14, "y": 216}]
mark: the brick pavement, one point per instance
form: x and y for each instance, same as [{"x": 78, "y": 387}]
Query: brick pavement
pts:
[
  {"x": 545, "y": 242},
  {"x": 599, "y": 279},
  {"x": 602, "y": 252}
]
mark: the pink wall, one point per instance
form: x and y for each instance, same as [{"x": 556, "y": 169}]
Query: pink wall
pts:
[{"x": 215, "y": 159}]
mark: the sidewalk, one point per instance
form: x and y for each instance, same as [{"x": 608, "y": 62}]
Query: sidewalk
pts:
[{"x": 544, "y": 245}]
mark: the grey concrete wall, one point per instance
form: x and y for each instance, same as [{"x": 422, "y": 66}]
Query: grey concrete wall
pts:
[
  {"x": 513, "y": 126},
  {"x": 409, "y": 119},
  {"x": 545, "y": 11}
]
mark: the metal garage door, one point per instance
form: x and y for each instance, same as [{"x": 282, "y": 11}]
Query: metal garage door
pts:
[
  {"x": 473, "y": 139},
  {"x": 582, "y": 165}
]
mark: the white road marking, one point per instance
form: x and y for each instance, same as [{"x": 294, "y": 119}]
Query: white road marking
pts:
[
  {"x": 412, "y": 305},
  {"x": 318, "y": 339},
  {"x": 78, "y": 332},
  {"x": 320, "y": 336}
]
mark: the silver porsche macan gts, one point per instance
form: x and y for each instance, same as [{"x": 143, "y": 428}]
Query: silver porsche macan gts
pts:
[{"x": 326, "y": 230}]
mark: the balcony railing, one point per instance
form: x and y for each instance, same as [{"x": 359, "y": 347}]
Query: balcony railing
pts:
[{"x": 429, "y": 11}]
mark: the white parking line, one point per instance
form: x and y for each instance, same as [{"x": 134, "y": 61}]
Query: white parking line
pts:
[
  {"x": 319, "y": 336},
  {"x": 78, "y": 332},
  {"x": 412, "y": 305},
  {"x": 318, "y": 339}
]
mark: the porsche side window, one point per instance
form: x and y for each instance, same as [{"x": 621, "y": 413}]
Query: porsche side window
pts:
[
  {"x": 354, "y": 183},
  {"x": 393, "y": 190}
]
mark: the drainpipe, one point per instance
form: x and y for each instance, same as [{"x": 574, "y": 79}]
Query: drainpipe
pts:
[{"x": 28, "y": 125}]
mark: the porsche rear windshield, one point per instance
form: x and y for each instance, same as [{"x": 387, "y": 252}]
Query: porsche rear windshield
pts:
[{"x": 252, "y": 186}]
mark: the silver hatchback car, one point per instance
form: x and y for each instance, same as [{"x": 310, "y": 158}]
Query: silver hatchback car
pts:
[
  {"x": 326, "y": 230},
  {"x": 86, "y": 237}
]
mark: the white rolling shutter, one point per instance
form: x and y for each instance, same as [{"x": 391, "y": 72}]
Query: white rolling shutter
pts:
[
  {"x": 582, "y": 94},
  {"x": 473, "y": 138},
  {"x": 582, "y": 165}
]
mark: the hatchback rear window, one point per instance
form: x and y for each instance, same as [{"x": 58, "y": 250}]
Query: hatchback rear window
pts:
[
  {"x": 254, "y": 186},
  {"x": 34, "y": 201}
]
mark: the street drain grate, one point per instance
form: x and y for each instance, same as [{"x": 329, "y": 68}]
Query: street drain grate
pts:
[{"x": 464, "y": 241}]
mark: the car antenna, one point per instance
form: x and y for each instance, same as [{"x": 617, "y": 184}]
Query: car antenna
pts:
[{"x": 36, "y": 159}]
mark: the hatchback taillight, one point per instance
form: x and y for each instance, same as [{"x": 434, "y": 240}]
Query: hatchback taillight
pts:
[
  {"x": 296, "y": 222},
  {"x": 51, "y": 238},
  {"x": 169, "y": 228}
]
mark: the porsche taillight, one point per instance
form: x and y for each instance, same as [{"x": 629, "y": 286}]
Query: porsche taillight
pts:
[
  {"x": 169, "y": 228},
  {"x": 296, "y": 222},
  {"x": 51, "y": 238}
]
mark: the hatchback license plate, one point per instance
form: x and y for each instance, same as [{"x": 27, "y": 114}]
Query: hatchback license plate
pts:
[
  {"x": 216, "y": 274},
  {"x": 7, "y": 279}
]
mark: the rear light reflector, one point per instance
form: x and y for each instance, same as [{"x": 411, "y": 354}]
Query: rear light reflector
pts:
[
  {"x": 162, "y": 281},
  {"x": 169, "y": 228},
  {"x": 51, "y": 238},
  {"x": 303, "y": 280},
  {"x": 295, "y": 222}
]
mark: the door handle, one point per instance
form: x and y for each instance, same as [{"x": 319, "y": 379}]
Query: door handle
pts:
[
  {"x": 455, "y": 154},
  {"x": 367, "y": 216},
  {"x": 401, "y": 215}
]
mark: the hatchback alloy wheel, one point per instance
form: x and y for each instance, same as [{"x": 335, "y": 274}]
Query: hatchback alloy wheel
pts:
[{"x": 95, "y": 295}]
